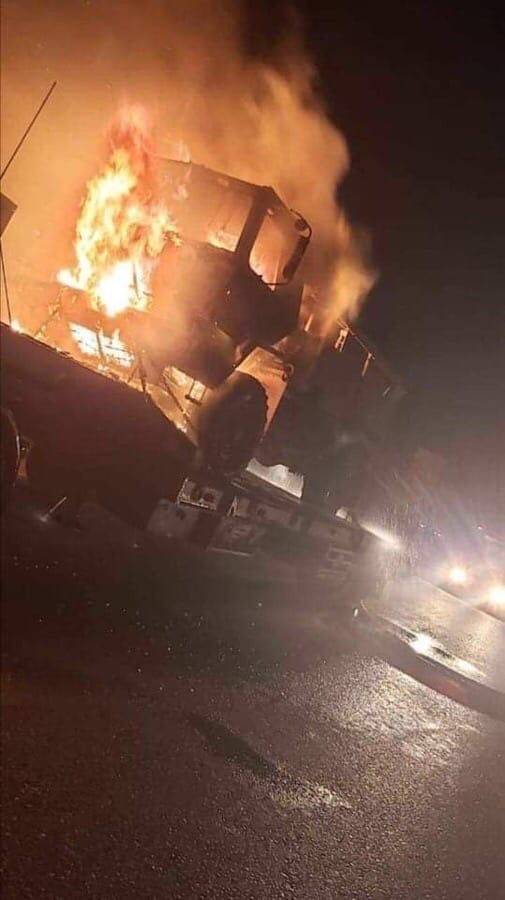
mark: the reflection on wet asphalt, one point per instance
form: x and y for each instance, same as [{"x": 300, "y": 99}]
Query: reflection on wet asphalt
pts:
[
  {"x": 462, "y": 630},
  {"x": 443, "y": 641}
]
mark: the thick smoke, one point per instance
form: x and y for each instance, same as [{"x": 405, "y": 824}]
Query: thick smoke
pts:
[{"x": 256, "y": 117}]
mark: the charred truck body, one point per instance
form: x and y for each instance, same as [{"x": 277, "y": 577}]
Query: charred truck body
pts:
[{"x": 220, "y": 359}]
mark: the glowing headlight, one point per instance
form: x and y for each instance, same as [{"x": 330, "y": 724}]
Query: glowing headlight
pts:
[
  {"x": 497, "y": 594},
  {"x": 458, "y": 575}
]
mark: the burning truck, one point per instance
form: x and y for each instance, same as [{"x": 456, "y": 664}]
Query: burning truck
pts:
[{"x": 184, "y": 343}]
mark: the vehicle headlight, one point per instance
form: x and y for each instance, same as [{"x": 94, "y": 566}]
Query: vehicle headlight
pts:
[
  {"x": 458, "y": 575},
  {"x": 496, "y": 594}
]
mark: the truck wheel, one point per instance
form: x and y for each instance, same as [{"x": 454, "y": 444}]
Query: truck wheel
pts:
[
  {"x": 231, "y": 424},
  {"x": 10, "y": 456}
]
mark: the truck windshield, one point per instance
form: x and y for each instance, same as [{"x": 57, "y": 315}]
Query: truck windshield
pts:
[
  {"x": 274, "y": 246},
  {"x": 206, "y": 207}
]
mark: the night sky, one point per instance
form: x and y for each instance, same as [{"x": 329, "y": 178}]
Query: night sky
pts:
[{"x": 418, "y": 90}]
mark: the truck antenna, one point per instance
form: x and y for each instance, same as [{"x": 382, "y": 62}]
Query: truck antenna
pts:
[
  {"x": 5, "y": 284},
  {"x": 27, "y": 131}
]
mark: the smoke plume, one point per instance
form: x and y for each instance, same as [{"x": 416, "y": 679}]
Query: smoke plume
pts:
[{"x": 249, "y": 110}]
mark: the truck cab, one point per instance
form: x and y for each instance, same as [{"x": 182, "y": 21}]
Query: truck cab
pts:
[{"x": 230, "y": 281}]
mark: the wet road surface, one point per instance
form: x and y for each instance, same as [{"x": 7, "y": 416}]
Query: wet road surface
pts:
[
  {"x": 165, "y": 737},
  {"x": 465, "y": 632}
]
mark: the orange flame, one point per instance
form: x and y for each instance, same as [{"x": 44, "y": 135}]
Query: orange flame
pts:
[{"x": 121, "y": 228}]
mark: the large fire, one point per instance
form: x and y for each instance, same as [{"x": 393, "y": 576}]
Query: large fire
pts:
[{"x": 122, "y": 226}]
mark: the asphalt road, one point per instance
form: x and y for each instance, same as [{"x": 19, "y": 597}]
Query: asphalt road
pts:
[{"x": 167, "y": 737}]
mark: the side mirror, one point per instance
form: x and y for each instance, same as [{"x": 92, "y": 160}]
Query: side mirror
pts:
[
  {"x": 305, "y": 232},
  {"x": 296, "y": 258}
]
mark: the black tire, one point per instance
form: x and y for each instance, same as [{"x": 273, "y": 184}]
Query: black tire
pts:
[
  {"x": 10, "y": 456},
  {"x": 231, "y": 424}
]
